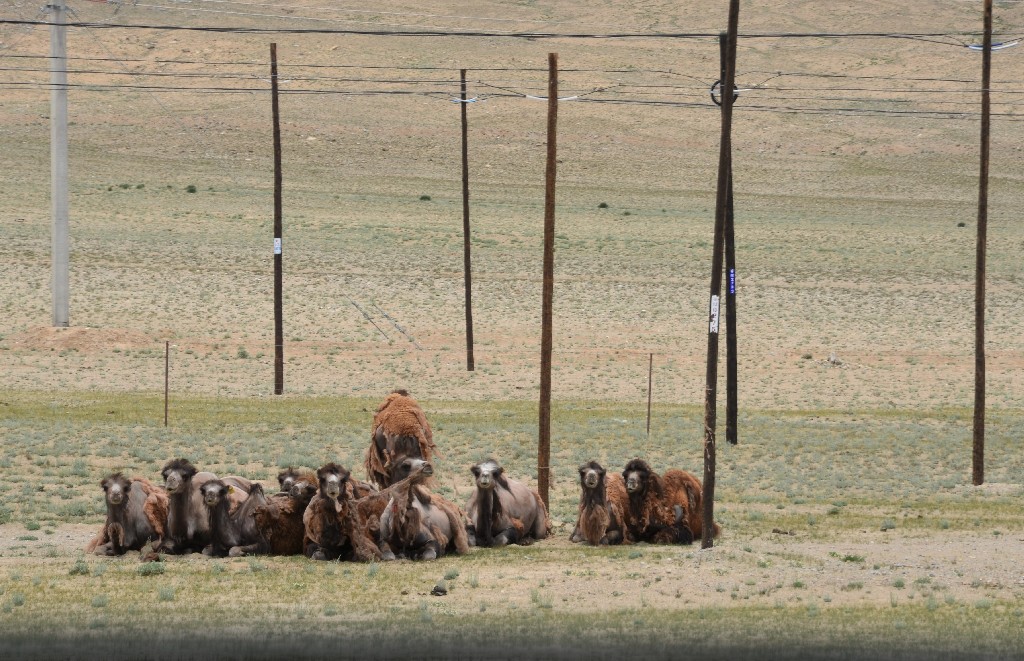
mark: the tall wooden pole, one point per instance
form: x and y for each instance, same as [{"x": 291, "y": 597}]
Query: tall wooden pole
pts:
[
  {"x": 59, "y": 198},
  {"x": 167, "y": 378},
  {"x": 711, "y": 384},
  {"x": 470, "y": 365},
  {"x": 278, "y": 274},
  {"x": 650, "y": 382},
  {"x": 731, "y": 364},
  {"x": 544, "y": 441},
  {"x": 978, "y": 454}
]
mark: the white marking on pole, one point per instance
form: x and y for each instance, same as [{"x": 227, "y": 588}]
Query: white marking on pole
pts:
[
  {"x": 277, "y": 245},
  {"x": 714, "y": 314}
]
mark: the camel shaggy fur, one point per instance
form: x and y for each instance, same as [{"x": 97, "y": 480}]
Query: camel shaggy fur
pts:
[
  {"x": 235, "y": 532},
  {"x": 603, "y": 506},
  {"x": 420, "y": 525},
  {"x": 188, "y": 519},
  {"x": 136, "y": 515},
  {"x": 503, "y": 511},
  {"x": 333, "y": 528},
  {"x": 664, "y": 509},
  {"x": 400, "y": 429},
  {"x": 279, "y": 520}
]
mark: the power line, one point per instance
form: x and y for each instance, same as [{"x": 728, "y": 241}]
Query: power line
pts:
[
  {"x": 518, "y": 35},
  {"x": 444, "y": 95}
]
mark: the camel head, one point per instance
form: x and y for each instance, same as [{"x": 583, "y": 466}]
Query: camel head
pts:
[
  {"x": 332, "y": 479},
  {"x": 177, "y": 475},
  {"x": 289, "y": 476},
  {"x": 214, "y": 492},
  {"x": 405, "y": 467},
  {"x": 591, "y": 475},
  {"x": 488, "y": 474},
  {"x": 636, "y": 474},
  {"x": 302, "y": 491},
  {"x": 116, "y": 488}
]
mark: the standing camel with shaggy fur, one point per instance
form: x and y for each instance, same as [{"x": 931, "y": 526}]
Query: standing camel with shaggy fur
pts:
[
  {"x": 188, "y": 520},
  {"x": 400, "y": 429},
  {"x": 420, "y": 525},
  {"x": 136, "y": 515},
  {"x": 663, "y": 509},
  {"x": 603, "y": 507},
  {"x": 333, "y": 527},
  {"x": 503, "y": 511}
]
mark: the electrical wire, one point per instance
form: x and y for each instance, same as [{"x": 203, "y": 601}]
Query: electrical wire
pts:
[{"x": 492, "y": 33}]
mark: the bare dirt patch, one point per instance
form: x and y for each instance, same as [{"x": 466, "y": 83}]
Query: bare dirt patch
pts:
[{"x": 79, "y": 338}]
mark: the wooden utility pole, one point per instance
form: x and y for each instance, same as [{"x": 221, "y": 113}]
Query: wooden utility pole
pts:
[
  {"x": 731, "y": 364},
  {"x": 278, "y": 275},
  {"x": 59, "y": 199},
  {"x": 711, "y": 384},
  {"x": 470, "y": 365},
  {"x": 978, "y": 454},
  {"x": 548, "y": 287}
]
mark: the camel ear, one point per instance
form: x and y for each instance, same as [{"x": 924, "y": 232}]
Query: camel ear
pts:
[
  {"x": 475, "y": 470},
  {"x": 499, "y": 471}
]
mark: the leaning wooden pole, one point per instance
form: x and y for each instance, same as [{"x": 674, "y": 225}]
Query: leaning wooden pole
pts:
[
  {"x": 711, "y": 384},
  {"x": 978, "y": 454},
  {"x": 278, "y": 275},
  {"x": 548, "y": 286},
  {"x": 731, "y": 362},
  {"x": 467, "y": 262}
]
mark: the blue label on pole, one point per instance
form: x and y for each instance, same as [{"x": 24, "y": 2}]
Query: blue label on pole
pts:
[{"x": 732, "y": 281}]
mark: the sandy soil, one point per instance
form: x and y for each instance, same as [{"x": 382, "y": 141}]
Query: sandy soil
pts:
[{"x": 869, "y": 568}]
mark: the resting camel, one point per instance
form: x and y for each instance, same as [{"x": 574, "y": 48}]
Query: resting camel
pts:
[
  {"x": 232, "y": 533},
  {"x": 420, "y": 525},
  {"x": 136, "y": 515},
  {"x": 279, "y": 520},
  {"x": 503, "y": 511},
  {"x": 333, "y": 528},
  {"x": 400, "y": 429},
  {"x": 188, "y": 520},
  {"x": 603, "y": 505},
  {"x": 663, "y": 509}
]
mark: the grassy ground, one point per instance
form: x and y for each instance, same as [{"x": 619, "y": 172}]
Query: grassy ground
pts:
[
  {"x": 56, "y": 447},
  {"x": 850, "y": 532}
]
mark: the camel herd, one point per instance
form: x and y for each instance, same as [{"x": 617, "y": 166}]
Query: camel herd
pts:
[{"x": 330, "y": 515}]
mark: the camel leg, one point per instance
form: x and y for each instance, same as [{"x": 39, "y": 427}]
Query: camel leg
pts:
[
  {"x": 510, "y": 535},
  {"x": 249, "y": 549},
  {"x": 425, "y": 547},
  {"x": 682, "y": 527}
]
